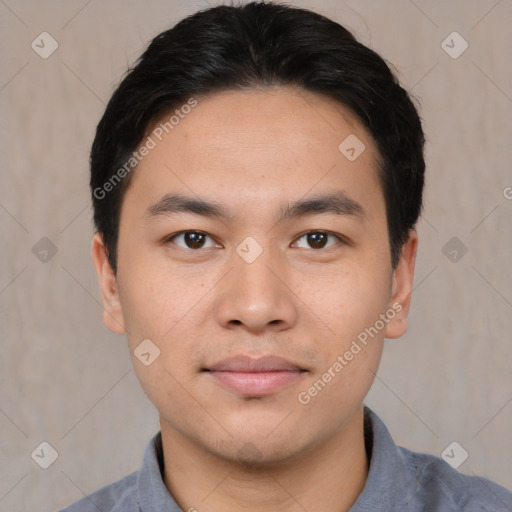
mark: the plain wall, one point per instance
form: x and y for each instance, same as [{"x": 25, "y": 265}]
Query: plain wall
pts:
[{"x": 66, "y": 380}]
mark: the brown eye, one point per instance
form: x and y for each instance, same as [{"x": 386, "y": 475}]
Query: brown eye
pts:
[
  {"x": 191, "y": 240},
  {"x": 318, "y": 239},
  {"x": 194, "y": 240}
]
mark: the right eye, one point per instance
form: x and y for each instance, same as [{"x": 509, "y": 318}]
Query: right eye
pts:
[{"x": 191, "y": 240}]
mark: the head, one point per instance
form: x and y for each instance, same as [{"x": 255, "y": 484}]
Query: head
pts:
[{"x": 256, "y": 179}]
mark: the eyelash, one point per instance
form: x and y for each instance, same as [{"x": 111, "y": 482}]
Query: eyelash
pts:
[{"x": 170, "y": 238}]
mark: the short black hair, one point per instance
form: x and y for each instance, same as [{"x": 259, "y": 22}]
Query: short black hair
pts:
[{"x": 253, "y": 46}]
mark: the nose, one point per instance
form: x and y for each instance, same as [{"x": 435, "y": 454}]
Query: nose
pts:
[{"x": 256, "y": 296}]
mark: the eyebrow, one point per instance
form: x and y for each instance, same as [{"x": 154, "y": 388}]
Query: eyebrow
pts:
[{"x": 337, "y": 203}]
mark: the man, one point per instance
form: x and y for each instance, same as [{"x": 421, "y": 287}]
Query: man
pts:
[{"x": 256, "y": 179}]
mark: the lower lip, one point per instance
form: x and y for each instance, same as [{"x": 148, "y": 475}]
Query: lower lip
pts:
[{"x": 256, "y": 383}]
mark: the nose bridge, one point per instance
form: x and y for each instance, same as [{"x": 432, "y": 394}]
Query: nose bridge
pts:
[
  {"x": 255, "y": 272},
  {"x": 256, "y": 268},
  {"x": 254, "y": 292}
]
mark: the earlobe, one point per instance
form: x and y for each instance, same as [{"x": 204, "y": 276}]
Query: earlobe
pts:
[
  {"x": 112, "y": 310},
  {"x": 403, "y": 276}
]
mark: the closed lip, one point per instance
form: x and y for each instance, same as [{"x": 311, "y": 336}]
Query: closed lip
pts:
[{"x": 252, "y": 364}]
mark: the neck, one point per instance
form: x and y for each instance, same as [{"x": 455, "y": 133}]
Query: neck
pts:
[{"x": 328, "y": 476}]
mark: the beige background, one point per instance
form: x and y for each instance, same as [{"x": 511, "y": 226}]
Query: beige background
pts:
[{"x": 66, "y": 380}]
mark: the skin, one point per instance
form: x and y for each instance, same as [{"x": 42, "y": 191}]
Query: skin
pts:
[{"x": 254, "y": 152}]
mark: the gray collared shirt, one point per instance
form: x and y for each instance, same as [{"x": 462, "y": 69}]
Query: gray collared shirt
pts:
[{"x": 399, "y": 480}]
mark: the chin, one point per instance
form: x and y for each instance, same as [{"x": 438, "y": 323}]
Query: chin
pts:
[{"x": 258, "y": 455}]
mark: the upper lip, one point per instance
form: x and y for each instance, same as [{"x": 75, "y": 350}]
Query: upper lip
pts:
[{"x": 245, "y": 363}]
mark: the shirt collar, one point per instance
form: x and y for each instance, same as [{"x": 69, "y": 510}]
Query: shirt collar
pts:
[
  {"x": 151, "y": 491},
  {"x": 389, "y": 486}
]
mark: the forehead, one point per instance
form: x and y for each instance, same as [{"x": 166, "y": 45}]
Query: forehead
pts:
[
  {"x": 280, "y": 117},
  {"x": 251, "y": 145}
]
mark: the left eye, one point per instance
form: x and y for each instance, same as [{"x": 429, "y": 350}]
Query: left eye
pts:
[{"x": 318, "y": 239}]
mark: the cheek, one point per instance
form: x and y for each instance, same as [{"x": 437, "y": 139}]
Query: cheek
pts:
[
  {"x": 166, "y": 306},
  {"x": 349, "y": 300},
  {"x": 158, "y": 300},
  {"x": 351, "y": 306},
  {"x": 167, "y": 388},
  {"x": 330, "y": 404},
  {"x": 159, "y": 306}
]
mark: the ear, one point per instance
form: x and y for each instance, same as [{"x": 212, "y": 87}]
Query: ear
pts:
[
  {"x": 403, "y": 276},
  {"x": 112, "y": 311}
]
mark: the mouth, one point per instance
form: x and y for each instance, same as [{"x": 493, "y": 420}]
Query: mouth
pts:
[{"x": 254, "y": 377}]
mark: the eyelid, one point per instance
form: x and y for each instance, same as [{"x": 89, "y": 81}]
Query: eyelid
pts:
[
  {"x": 340, "y": 238},
  {"x": 169, "y": 238}
]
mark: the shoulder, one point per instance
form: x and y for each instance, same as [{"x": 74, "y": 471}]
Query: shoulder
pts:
[
  {"x": 440, "y": 487},
  {"x": 119, "y": 496},
  {"x": 404, "y": 480}
]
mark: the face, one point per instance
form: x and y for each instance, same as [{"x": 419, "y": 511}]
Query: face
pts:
[{"x": 258, "y": 284}]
